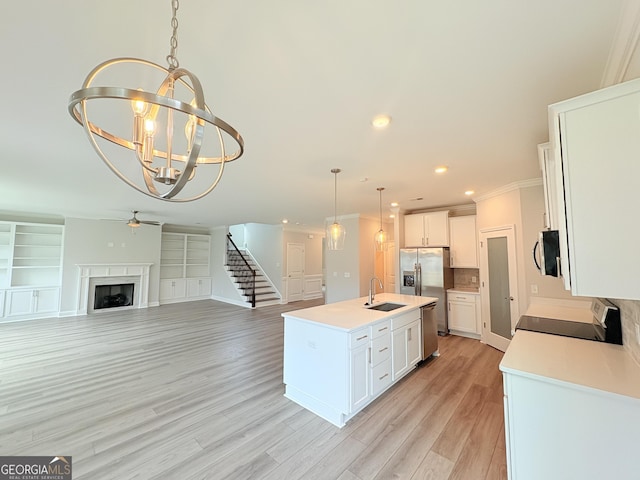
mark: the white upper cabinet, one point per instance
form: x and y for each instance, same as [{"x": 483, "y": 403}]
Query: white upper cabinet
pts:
[
  {"x": 427, "y": 229},
  {"x": 549, "y": 181},
  {"x": 595, "y": 139},
  {"x": 463, "y": 241}
]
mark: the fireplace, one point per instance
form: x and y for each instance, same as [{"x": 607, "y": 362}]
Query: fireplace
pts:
[
  {"x": 113, "y": 285},
  {"x": 113, "y": 296}
]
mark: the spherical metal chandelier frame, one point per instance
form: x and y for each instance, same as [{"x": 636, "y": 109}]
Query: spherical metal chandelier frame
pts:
[{"x": 166, "y": 167}]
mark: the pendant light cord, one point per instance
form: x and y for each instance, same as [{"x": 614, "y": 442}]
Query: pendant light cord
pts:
[{"x": 335, "y": 197}]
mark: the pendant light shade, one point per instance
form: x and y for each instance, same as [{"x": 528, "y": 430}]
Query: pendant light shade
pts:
[
  {"x": 380, "y": 238},
  {"x": 335, "y": 232}
]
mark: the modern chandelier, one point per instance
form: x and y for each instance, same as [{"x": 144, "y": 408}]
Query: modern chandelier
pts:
[
  {"x": 380, "y": 238},
  {"x": 335, "y": 232},
  {"x": 162, "y": 127}
]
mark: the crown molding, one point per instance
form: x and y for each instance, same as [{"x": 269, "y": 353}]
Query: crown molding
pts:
[
  {"x": 533, "y": 182},
  {"x": 623, "y": 45}
]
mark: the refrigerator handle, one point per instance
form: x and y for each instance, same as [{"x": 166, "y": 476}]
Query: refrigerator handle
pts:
[
  {"x": 415, "y": 279},
  {"x": 418, "y": 279}
]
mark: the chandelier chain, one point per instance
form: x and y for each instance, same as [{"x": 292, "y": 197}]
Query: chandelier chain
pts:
[{"x": 172, "y": 59}]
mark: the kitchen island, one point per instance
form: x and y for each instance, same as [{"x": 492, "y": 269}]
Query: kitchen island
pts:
[{"x": 340, "y": 357}]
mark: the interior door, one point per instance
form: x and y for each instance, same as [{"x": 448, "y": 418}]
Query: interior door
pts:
[
  {"x": 499, "y": 286},
  {"x": 295, "y": 272}
]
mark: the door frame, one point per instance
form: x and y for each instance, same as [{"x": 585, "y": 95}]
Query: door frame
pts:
[{"x": 507, "y": 231}]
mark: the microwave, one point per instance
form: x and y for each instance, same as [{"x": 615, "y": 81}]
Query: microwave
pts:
[{"x": 548, "y": 259}]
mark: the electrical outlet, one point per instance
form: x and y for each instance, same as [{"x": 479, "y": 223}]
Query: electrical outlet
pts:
[
  {"x": 534, "y": 289},
  {"x": 638, "y": 333},
  {"x": 474, "y": 279}
]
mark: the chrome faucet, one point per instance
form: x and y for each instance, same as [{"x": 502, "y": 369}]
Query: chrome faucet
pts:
[{"x": 372, "y": 289}]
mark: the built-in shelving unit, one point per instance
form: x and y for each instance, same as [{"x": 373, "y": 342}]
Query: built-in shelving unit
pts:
[
  {"x": 37, "y": 255},
  {"x": 30, "y": 269},
  {"x": 185, "y": 270},
  {"x": 6, "y": 240}
]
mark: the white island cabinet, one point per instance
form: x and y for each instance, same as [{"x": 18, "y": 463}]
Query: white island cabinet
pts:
[
  {"x": 572, "y": 409},
  {"x": 339, "y": 357}
]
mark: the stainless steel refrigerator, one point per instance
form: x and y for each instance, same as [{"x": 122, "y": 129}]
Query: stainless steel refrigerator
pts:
[{"x": 427, "y": 272}]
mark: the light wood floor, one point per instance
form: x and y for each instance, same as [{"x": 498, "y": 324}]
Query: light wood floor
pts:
[{"x": 194, "y": 391}]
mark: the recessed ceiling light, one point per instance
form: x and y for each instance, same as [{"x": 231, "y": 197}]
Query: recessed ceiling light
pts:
[
  {"x": 441, "y": 169},
  {"x": 284, "y": 220},
  {"x": 381, "y": 121},
  {"x": 392, "y": 215},
  {"x": 394, "y": 204},
  {"x": 469, "y": 192}
]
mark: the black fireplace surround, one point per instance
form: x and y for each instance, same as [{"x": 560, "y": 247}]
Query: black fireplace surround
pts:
[{"x": 113, "y": 296}]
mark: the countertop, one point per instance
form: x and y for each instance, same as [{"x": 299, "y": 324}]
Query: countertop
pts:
[
  {"x": 473, "y": 291},
  {"x": 582, "y": 363},
  {"x": 350, "y": 315}
]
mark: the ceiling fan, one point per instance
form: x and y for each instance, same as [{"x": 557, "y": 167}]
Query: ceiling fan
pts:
[{"x": 133, "y": 222}]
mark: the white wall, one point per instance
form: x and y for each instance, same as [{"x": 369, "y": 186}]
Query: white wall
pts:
[
  {"x": 100, "y": 241},
  {"x": 349, "y": 271},
  {"x": 312, "y": 251},
  {"x": 222, "y": 287},
  {"x": 522, "y": 207},
  {"x": 265, "y": 244}
]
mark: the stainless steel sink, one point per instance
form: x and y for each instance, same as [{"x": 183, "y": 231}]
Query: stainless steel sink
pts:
[{"x": 386, "y": 307}]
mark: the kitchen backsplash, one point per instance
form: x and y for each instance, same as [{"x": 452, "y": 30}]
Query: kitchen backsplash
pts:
[
  {"x": 464, "y": 278},
  {"x": 630, "y": 315}
]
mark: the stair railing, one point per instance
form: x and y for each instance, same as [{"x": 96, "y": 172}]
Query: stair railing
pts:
[{"x": 231, "y": 243}]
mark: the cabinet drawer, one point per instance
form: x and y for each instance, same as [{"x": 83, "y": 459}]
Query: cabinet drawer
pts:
[
  {"x": 461, "y": 297},
  {"x": 404, "y": 319},
  {"x": 381, "y": 376},
  {"x": 382, "y": 328},
  {"x": 360, "y": 337},
  {"x": 380, "y": 349}
]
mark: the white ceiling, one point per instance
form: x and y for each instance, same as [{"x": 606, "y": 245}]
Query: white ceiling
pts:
[{"x": 466, "y": 83}]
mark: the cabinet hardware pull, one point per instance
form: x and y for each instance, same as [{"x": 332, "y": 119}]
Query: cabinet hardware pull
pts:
[
  {"x": 409, "y": 339},
  {"x": 385, "y": 375},
  {"x": 382, "y": 329},
  {"x": 385, "y": 348},
  {"x": 461, "y": 298},
  {"x": 361, "y": 338},
  {"x": 369, "y": 351}
]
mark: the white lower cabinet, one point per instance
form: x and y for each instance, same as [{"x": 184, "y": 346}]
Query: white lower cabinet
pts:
[
  {"x": 174, "y": 290},
  {"x": 557, "y": 430},
  {"x": 198, "y": 288},
  {"x": 406, "y": 343},
  {"x": 359, "y": 360},
  {"x": 31, "y": 302},
  {"x": 464, "y": 313}
]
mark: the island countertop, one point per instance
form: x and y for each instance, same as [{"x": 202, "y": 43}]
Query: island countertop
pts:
[{"x": 352, "y": 314}]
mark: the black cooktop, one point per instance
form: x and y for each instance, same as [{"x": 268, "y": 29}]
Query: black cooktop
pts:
[{"x": 565, "y": 328}]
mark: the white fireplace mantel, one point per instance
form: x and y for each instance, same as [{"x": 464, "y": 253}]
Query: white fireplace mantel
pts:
[{"x": 140, "y": 271}]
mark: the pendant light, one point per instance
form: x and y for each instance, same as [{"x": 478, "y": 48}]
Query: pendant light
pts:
[
  {"x": 335, "y": 232},
  {"x": 155, "y": 161},
  {"x": 380, "y": 239}
]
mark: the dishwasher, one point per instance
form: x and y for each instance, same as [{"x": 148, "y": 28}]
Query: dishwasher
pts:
[{"x": 429, "y": 331}]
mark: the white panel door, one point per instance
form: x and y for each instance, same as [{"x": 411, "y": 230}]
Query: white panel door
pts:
[{"x": 295, "y": 272}]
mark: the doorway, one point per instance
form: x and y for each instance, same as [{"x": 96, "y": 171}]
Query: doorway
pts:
[
  {"x": 295, "y": 272},
  {"x": 499, "y": 284}
]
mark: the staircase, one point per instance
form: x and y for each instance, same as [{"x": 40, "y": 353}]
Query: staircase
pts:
[{"x": 241, "y": 273}]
